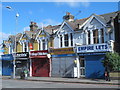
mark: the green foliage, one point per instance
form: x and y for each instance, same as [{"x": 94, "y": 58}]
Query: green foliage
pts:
[{"x": 112, "y": 60}]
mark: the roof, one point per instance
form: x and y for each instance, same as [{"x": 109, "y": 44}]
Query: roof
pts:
[
  {"x": 74, "y": 24},
  {"x": 107, "y": 16},
  {"x": 49, "y": 29}
]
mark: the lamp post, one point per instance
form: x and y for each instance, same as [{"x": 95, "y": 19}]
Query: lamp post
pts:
[
  {"x": 15, "y": 49},
  {"x": 49, "y": 56}
]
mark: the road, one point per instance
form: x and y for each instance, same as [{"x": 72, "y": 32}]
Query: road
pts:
[{"x": 9, "y": 83}]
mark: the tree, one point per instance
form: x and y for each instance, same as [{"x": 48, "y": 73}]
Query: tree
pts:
[{"x": 112, "y": 60}]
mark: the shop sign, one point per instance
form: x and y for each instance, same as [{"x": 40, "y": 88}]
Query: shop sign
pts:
[
  {"x": 64, "y": 55},
  {"x": 93, "y": 48},
  {"x": 86, "y": 54},
  {"x": 21, "y": 55},
  {"x": 38, "y": 53},
  {"x": 61, "y": 51},
  {"x": 7, "y": 57}
]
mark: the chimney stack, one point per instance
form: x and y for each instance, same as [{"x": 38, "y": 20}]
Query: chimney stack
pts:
[
  {"x": 68, "y": 17},
  {"x": 33, "y": 26}
]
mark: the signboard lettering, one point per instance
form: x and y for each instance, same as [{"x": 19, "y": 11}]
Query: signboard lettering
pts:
[
  {"x": 7, "y": 57},
  {"x": 21, "y": 55},
  {"x": 93, "y": 48},
  {"x": 38, "y": 53},
  {"x": 61, "y": 51}
]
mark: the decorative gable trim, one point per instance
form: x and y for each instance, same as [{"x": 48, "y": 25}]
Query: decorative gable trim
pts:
[
  {"x": 47, "y": 35},
  {"x": 23, "y": 36},
  {"x": 90, "y": 19},
  {"x": 64, "y": 23}
]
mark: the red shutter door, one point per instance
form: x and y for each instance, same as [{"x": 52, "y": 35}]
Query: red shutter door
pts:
[{"x": 40, "y": 68}]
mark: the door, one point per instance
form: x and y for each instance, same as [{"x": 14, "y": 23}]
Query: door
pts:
[
  {"x": 40, "y": 67},
  {"x": 82, "y": 66}
]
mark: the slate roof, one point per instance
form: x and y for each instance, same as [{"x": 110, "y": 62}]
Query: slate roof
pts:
[
  {"x": 105, "y": 18},
  {"x": 74, "y": 24},
  {"x": 49, "y": 29}
]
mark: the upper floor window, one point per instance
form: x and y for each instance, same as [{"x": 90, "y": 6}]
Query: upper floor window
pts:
[
  {"x": 43, "y": 45},
  {"x": 95, "y": 36},
  {"x": 60, "y": 40},
  {"x": 71, "y": 38},
  {"x": 39, "y": 45},
  {"x": 102, "y": 35},
  {"x": 24, "y": 47},
  {"x": 66, "y": 40},
  {"x": 88, "y": 37}
]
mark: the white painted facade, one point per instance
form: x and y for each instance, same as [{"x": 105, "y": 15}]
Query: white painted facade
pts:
[
  {"x": 73, "y": 37},
  {"x": 94, "y": 32},
  {"x": 95, "y": 24}
]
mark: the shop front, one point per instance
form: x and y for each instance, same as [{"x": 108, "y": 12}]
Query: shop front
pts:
[
  {"x": 40, "y": 63},
  {"x": 63, "y": 62},
  {"x": 89, "y": 60},
  {"x": 7, "y": 64},
  {"x": 21, "y": 62}
]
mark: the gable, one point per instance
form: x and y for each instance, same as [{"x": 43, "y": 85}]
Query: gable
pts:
[
  {"x": 65, "y": 28},
  {"x": 94, "y": 22},
  {"x": 24, "y": 37},
  {"x": 42, "y": 35}
]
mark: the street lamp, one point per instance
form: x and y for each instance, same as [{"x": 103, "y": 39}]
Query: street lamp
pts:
[
  {"x": 49, "y": 56},
  {"x": 15, "y": 50}
]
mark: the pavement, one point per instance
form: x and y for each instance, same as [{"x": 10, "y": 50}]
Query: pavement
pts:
[{"x": 68, "y": 80}]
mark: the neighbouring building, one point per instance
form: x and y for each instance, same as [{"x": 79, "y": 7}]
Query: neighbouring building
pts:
[
  {"x": 7, "y": 64},
  {"x": 100, "y": 35},
  {"x": 91, "y": 38}
]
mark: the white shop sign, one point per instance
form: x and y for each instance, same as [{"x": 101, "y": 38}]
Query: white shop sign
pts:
[{"x": 93, "y": 48}]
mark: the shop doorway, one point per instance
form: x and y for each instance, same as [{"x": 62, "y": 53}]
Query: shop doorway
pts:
[
  {"x": 40, "y": 67},
  {"x": 82, "y": 66}
]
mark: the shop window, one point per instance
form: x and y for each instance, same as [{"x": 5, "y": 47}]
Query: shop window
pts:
[
  {"x": 66, "y": 40},
  {"x": 95, "y": 36},
  {"x": 102, "y": 35}
]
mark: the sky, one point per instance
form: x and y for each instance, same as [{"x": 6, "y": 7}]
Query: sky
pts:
[{"x": 47, "y": 13}]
